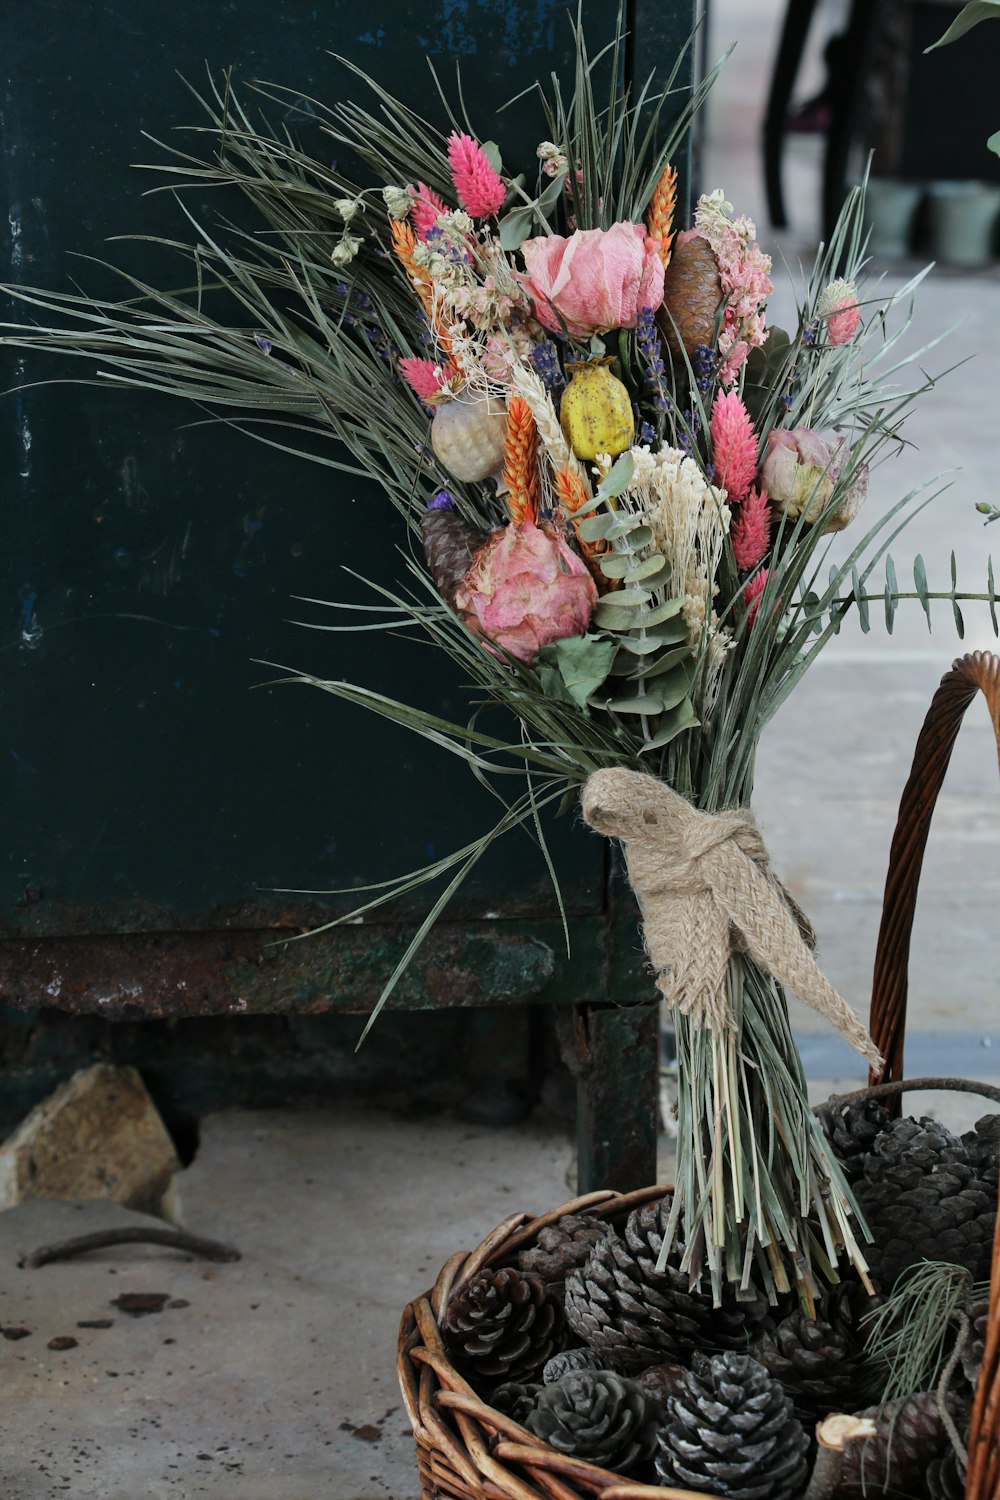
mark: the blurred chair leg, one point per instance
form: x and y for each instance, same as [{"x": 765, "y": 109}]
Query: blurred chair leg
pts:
[
  {"x": 845, "y": 92},
  {"x": 794, "y": 30}
]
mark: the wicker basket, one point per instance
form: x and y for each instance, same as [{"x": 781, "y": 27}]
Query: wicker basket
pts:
[{"x": 468, "y": 1451}]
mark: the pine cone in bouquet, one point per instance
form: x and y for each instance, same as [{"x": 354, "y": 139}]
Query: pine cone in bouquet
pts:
[
  {"x": 852, "y": 1126},
  {"x": 502, "y": 1326},
  {"x": 923, "y": 1199},
  {"x": 634, "y": 1315},
  {"x": 818, "y": 1363},
  {"x": 894, "y": 1464},
  {"x": 561, "y": 1247},
  {"x": 599, "y": 1416},
  {"x": 449, "y": 543},
  {"x": 731, "y": 1431},
  {"x": 692, "y": 296}
]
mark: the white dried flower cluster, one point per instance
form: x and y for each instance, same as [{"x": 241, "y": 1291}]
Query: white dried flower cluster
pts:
[
  {"x": 348, "y": 207},
  {"x": 346, "y": 249},
  {"x": 689, "y": 519},
  {"x": 552, "y": 159},
  {"x": 398, "y": 202}
]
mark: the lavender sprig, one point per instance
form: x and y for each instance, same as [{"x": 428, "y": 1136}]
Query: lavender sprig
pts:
[{"x": 651, "y": 353}]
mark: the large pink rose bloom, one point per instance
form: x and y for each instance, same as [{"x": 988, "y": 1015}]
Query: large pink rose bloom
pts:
[
  {"x": 595, "y": 280},
  {"x": 526, "y": 587}
]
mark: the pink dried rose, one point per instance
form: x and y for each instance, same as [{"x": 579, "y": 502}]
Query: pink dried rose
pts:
[
  {"x": 595, "y": 280},
  {"x": 838, "y": 308},
  {"x": 525, "y": 588}
]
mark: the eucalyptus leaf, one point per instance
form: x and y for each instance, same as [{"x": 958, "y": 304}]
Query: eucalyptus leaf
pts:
[
  {"x": 673, "y": 723},
  {"x": 581, "y": 663},
  {"x": 516, "y": 227}
]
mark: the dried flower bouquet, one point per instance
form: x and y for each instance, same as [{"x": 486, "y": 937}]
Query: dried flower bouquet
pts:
[{"x": 622, "y": 484}]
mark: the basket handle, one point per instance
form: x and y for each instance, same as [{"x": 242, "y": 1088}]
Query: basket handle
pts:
[{"x": 969, "y": 675}]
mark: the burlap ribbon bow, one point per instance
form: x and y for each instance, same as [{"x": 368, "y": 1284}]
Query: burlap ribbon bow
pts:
[{"x": 706, "y": 890}]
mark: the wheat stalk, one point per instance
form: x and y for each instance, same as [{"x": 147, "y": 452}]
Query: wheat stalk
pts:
[
  {"x": 520, "y": 462},
  {"x": 660, "y": 215}
]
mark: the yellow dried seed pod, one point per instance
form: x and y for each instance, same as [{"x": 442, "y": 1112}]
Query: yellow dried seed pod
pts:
[{"x": 595, "y": 412}]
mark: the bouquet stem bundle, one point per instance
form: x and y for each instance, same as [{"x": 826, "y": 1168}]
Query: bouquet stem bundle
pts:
[{"x": 624, "y": 483}]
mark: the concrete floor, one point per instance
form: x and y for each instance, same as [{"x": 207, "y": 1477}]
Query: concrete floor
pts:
[{"x": 273, "y": 1379}]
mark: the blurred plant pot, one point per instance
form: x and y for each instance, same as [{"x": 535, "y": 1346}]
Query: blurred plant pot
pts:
[
  {"x": 890, "y": 206},
  {"x": 961, "y": 221}
]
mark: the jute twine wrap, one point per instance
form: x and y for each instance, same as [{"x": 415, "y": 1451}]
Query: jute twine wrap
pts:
[{"x": 706, "y": 890}]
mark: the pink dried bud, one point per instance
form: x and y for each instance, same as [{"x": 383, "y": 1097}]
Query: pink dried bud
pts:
[
  {"x": 750, "y": 532},
  {"x": 734, "y": 445},
  {"x": 525, "y": 588},
  {"x": 799, "y": 471},
  {"x": 838, "y": 304},
  {"x": 479, "y": 186},
  {"x": 427, "y": 379},
  {"x": 426, "y": 206},
  {"x": 752, "y": 590}
]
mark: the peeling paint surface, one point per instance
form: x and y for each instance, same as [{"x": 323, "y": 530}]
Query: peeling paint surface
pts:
[{"x": 158, "y": 787}]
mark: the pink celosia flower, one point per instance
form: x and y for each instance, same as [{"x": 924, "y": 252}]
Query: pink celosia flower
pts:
[
  {"x": 595, "y": 280},
  {"x": 752, "y": 590},
  {"x": 838, "y": 304},
  {"x": 424, "y": 377},
  {"x": 526, "y": 587},
  {"x": 424, "y": 209},
  {"x": 750, "y": 532},
  {"x": 479, "y": 187},
  {"x": 734, "y": 445}
]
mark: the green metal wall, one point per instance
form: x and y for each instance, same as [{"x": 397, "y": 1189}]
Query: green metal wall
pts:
[{"x": 155, "y": 797}]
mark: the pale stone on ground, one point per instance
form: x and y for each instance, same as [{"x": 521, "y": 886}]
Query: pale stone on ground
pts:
[{"x": 98, "y": 1136}]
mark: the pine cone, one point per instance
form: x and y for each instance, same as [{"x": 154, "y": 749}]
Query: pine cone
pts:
[
  {"x": 634, "y": 1315},
  {"x": 662, "y": 1381},
  {"x": 515, "y": 1399},
  {"x": 561, "y": 1247},
  {"x": 893, "y": 1464},
  {"x": 501, "y": 1325},
  {"x": 923, "y": 1200},
  {"x": 692, "y": 293},
  {"x": 817, "y": 1363},
  {"x": 945, "y": 1479},
  {"x": 598, "y": 1416},
  {"x": 568, "y": 1361},
  {"x": 983, "y": 1145},
  {"x": 852, "y": 1126},
  {"x": 731, "y": 1431},
  {"x": 971, "y": 1357},
  {"x": 449, "y": 543}
]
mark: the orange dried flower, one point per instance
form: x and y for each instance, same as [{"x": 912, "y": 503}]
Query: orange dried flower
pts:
[
  {"x": 520, "y": 462},
  {"x": 572, "y": 492},
  {"x": 660, "y": 217}
]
